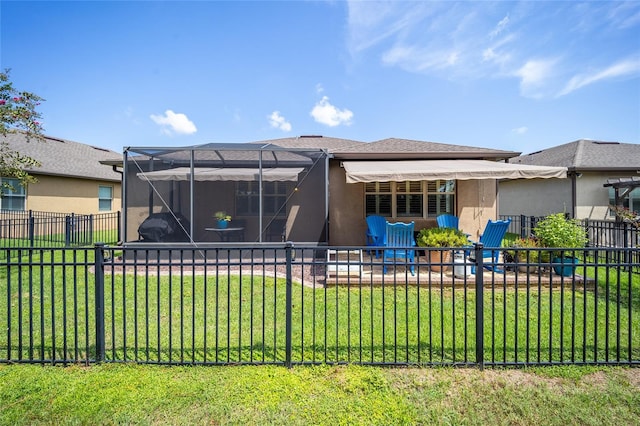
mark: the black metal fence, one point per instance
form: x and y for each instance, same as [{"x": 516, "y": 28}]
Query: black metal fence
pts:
[
  {"x": 45, "y": 229},
  {"x": 286, "y": 304},
  {"x": 601, "y": 233}
]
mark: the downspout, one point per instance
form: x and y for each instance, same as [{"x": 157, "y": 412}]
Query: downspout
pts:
[
  {"x": 115, "y": 170},
  {"x": 191, "y": 194},
  {"x": 326, "y": 196},
  {"x": 574, "y": 196},
  {"x": 260, "y": 207}
]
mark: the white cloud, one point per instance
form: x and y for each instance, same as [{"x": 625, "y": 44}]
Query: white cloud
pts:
[
  {"x": 279, "y": 122},
  {"x": 472, "y": 41},
  {"x": 172, "y": 122},
  {"x": 319, "y": 88},
  {"x": 500, "y": 27},
  {"x": 623, "y": 68},
  {"x": 520, "y": 130},
  {"x": 325, "y": 113},
  {"x": 534, "y": 75}
]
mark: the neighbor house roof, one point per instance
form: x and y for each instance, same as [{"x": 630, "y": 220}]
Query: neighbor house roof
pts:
[
  {"x": 585, "y": 155},
  {"x": 62, "y": 157}
]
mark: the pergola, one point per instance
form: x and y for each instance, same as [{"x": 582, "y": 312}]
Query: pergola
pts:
[{"x": 622, "y": 188}]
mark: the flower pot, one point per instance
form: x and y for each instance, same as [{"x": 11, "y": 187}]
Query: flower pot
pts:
[
  {"x": 222, "y": 224},
  {"x": 438, "y": 257},
  {"x": 566, "y": 266},
  {"x": 528, "y": 269}
]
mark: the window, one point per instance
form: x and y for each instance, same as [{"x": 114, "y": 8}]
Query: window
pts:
[
  {"x": 378, "y": 198},
  {"x": 105, "y": 197},
  {"x": 407, "y": 199},
  {"x": 248, "y": 198},
  {"x": 13, "y": 198}
]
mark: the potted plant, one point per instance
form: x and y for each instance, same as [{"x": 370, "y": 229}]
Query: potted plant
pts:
[
  {"x": 439, "y": 238},
  {"x": 223, "y": 219},
  {"x": 523, "y": 253},
  {"x": 557, "y": 231}
]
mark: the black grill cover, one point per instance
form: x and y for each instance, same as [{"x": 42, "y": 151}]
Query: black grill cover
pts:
[{"x": 164, "y": 227}]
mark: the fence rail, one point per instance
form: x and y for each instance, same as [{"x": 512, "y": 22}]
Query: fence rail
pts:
[
  {"x": 285, "y": 304},
  {"x": 44, "y": 229},
  {"x": 601, "y": 233}
]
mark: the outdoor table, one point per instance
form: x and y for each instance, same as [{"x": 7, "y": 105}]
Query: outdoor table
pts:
[{"x": 228, "y": 234}]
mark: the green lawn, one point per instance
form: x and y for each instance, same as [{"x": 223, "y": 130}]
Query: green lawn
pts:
[
  {"x": 320, "y": 395},
  {"x": 230, "y": 319}
]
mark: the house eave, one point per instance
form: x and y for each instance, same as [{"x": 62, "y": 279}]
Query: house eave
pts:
[{"x": 442, "y": 155}]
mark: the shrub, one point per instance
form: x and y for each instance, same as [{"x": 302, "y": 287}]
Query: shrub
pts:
[
  {"x": 556, "y": 230},
  {"x": 441, "y": 237},
  {"x": 521, "y": 255}
]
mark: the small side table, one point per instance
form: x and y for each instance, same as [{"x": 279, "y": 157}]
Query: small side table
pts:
[{"x": 228, "y": 234}]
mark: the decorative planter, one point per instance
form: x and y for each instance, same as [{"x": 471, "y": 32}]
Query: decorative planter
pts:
[
  {"x": 438, "y": 257},
  {"x": 222, "y": 224},
  {"x": 528, "y": 269},
  {"x": 566, "y": 266}
]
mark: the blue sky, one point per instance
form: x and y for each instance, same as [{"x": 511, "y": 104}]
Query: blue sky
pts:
[{"x": 519, "y": 76}]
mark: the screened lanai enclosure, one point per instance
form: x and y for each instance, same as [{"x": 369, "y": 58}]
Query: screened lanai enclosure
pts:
[{"x": 271, "y": 194}]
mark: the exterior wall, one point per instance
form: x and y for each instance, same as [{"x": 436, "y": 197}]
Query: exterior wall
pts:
[
  {"x": 477, "y": 203},
  {"x": 535, "y": 197},
  {"x": 592, "y": 198},
  {"x": 475, "y": 199},
  {"x": 69, "y": 195},
  {"x": 347, "y": 224},
  {"x": 541, "y": 197}
]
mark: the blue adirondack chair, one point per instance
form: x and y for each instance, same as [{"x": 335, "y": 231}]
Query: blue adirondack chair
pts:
[
  {"x": 400, "y": 236},
  {"x": 447, "y": 221},
  {"x": 492, "y": 238},
  {"x": 376, "y": 227}
]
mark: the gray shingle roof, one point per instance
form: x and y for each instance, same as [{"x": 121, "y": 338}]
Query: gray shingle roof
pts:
[
  {"x": 412, "y": 146},
  {"x": 313, "y": 141},
  {"x": 586, "y": 154},
  {"x": 343, "y": 148},
  {"x": 62, "y": 157}
]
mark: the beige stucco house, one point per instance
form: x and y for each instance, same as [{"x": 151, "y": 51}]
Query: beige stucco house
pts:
[
  {"x": 71, "y": 178},
  {"x": 590, "y": 165},
  {"x": 320, "y": 188}
]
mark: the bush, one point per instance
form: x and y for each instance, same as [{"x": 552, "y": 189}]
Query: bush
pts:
[
  {"x": 521, "y": 255},
  {"x": 441, "y": 237},
  {"x": 558, "y": 231}
]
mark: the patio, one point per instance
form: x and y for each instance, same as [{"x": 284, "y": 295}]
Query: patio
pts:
[
  {"x": 345, "y": 269},
  {"x": 317, "y": 267}
]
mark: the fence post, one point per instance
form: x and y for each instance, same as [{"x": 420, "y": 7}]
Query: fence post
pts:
[
  {"x": 31, "y": 229},
  {"x": 118, "y": 221},
  {"x": 289, "y": 303},
  {"x": 523, "y": 226},
  {"x": 479, "y": 305},
  {"x": 99, "y": 273},
  {"x": 89, "y": 240},
  {"x": 67, "y": 230}
]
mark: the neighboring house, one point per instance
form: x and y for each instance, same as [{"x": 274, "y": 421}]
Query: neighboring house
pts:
[
  {"x": 71, "y": 178},
  {"x": 590, "y": 166},
  {"x": 321, "y": 188}
]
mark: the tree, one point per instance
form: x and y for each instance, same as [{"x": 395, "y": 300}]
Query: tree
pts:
[{"x": 17, "y": 115}]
